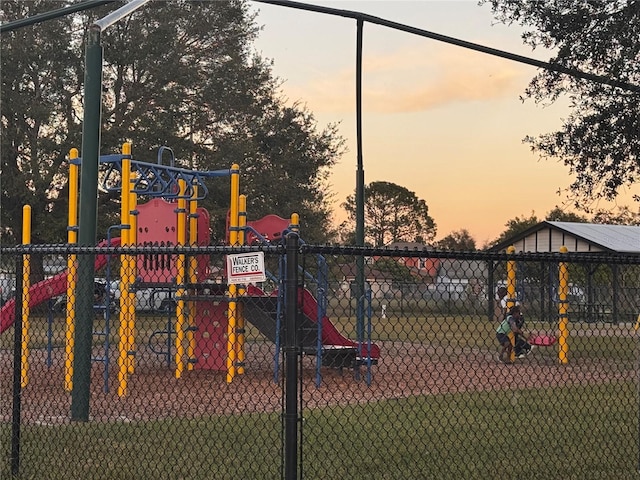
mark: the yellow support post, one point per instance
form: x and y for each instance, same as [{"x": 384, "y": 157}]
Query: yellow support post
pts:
[
  {"x": 193, "y": 276},
  {"x": 232, "y": 295},
  {"x": 26, "y": 284},
  {"x": 294, "y": 223},
  {"x": 72, "y": 238},
  {"x": 132, "y": 239},
  {"x": 181, "y": 278},
  {"x": 511, "y": 293},
  {"x": 125, "y": 271},
  {"x": 242, "y": 223},
  {"x": 563, "y": 310}
]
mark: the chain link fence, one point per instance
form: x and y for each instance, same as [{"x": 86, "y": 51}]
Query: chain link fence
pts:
[{"x": 344, "y": 363}]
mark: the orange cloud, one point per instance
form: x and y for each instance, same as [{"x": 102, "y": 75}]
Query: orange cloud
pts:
[{"x": 415, "y": 80}]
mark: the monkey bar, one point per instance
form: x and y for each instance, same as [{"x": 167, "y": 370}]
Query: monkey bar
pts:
[{"x": 157, "y": 179}]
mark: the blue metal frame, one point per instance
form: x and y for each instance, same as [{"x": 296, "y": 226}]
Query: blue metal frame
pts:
[{"x": 157, "y": 179}]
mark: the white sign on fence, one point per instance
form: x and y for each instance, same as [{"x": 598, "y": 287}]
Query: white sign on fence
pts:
[{"x": 246, "y": 268}]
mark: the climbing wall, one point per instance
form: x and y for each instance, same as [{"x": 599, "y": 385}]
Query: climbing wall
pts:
[{"x": 211, "y": 336}]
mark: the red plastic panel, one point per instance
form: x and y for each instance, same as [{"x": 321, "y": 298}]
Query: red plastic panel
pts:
[
  {"x": 157, "y": 225},
  {"x": 269, "y": 226},
  {"x": 211, "y": 336}
]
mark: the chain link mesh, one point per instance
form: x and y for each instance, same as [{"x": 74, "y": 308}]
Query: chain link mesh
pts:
[{"x": 397, "y": 356}]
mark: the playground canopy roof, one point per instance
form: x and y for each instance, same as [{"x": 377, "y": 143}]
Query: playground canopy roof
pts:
[{"x": 577, "y": 237}]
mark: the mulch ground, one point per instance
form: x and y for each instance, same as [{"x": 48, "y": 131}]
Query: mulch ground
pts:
[{"x": 404, "y": 370}]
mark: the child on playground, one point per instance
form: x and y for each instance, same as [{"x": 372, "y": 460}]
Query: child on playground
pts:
[
  {"x": 512, "y": 324},
  {"x": 500, "y": 304},
  {"x": 522, "y": 347}
]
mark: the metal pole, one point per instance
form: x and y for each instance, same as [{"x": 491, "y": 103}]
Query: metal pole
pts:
[
  {"x": 563, "y": 308},
  {"x": 511, "y": 294},
  {"x": 491, "y": 291},
  {"x": 553, "y": 67},
  {"x": 126, "y": 264},
  {"x": 89, "y": 210},
  {"x": 638, "y": 392},
  {"x": 232, "y": 291},
  {"x": 360, "y": 167},
  {"x": 359, "y": 193},
  {"x": 291, "y": 360},
  {"x": 72, "y": 238},
  {"x": 26, "y": 286},
  {"x": 17, "y": 372},
  {"x": 87, "y": 226},
  {"x": 119, "y": 14},
  {"x": 51, "y": 15}
]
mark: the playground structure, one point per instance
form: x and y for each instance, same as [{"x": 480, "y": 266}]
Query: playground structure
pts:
[{"x": 208, "y": 329}]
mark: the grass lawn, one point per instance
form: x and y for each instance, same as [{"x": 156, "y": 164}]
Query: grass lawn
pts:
[
  {"x": 577, "y": 432},
  {"x": 570, "y": 433}
]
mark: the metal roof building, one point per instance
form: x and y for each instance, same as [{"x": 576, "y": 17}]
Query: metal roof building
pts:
[{"x": 546, "y": 237}]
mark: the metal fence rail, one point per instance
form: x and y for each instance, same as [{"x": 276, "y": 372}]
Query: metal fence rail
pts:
[{"x": 347, "y": 363}]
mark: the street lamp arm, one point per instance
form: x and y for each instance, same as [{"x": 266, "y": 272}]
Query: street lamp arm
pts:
[{"x": 118, "y": 14}]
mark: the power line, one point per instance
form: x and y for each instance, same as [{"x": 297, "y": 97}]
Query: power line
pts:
[
  {"x": 454, "y": 41},
  {"x": 53, "y": 14},
  {"x": 10, "y": 26}
]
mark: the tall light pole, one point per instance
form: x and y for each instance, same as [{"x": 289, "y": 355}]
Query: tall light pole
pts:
[
  {"x": 360, "y": 277},
  {"x": 87, "y": 225}
]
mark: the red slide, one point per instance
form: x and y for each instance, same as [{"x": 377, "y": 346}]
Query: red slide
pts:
[
  {"x": 46, "y": 289},
  {"x": 330, "y": 334}
]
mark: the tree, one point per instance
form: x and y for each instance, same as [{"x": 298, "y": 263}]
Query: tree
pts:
[
  {"x": 192, "y": 82},
  {"x": 621, "y": 216},
  {"x": 392, "y": 214},
  {"x": 599, "y": 140},
  {"x": 287, "y": 169},
  {"x": 40, "y": 83},
  {"x": 516, "y": 226},
  {"x": 398, "y": 272},
  {"x": 457, "y": 240},
  {"x": 560, "y": 215}
]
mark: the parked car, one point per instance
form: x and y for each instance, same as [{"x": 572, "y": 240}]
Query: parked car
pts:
[
  {"x": 150, "y": 299},
  {"x": 7, "y": 287},
  {"x": 6, "y": 295},
  {"x": 99, "y": 297}
]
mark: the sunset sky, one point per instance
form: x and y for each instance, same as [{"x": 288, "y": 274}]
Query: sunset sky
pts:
[{"x": 445, "y": 122}]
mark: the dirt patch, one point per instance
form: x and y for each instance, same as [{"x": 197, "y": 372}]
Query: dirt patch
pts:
[{"x": 404, "y": 370}]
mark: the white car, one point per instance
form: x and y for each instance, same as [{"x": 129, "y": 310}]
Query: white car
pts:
[
  {"x": 151, "y": 299},
  {"x": 99, "y": 297}
]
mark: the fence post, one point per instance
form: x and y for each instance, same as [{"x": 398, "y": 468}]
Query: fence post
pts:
[
  {"x": 615, "y": 289},
  {"x": 511, "y": 294},
  {"x": 563, "y": 320},
  {"x": 72, "y": 238},
  {"x": 17, "y": 371},
  {"x": 291, "y": 360},
  {"x": 232, "y": 291},
  {"x": 637, "y": 325},
  {"x": 491, "y": 291},
  {"x": 25, "y": 285}
]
